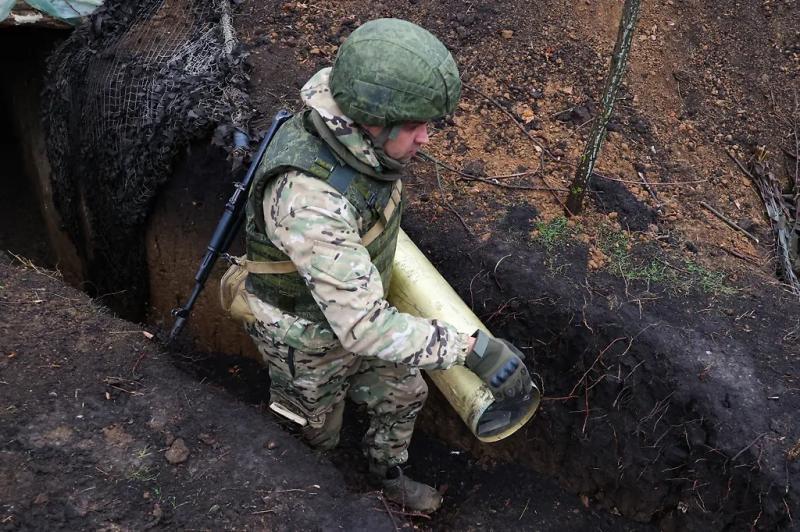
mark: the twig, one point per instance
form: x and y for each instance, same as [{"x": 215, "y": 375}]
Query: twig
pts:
[
  {"x": 668, "y": 265},
  {"x": 524, "y": 509},
  {"x": 460, "y": 219},
  {"x": 728, "y": 221},
  {"x": 513, "y": 118},
  {"x": 438, "y": 179},
  {"x": 494, "y": 272},
  {"x": 741, "y": 166},
  {"x": 656, "y": 184},
  {"x": 389, "y": 511},
  {"x": 504, "y": 257},
  {"x": 471, "y": 297},
  {"x": 407, "y": 514},
  {"x": 737, "y": 455},
  {"x": 586, "y": 403},
  {"x": 138, "y": 361},
  {"x": 558, "y": 200},
  {"x": 124, "y": 390},
  {"x": 739, "y": 255},
  {"x": 648, "y": 187},
  {"x": 549, "y": 188},
  {"x": 489, "y": 179}
]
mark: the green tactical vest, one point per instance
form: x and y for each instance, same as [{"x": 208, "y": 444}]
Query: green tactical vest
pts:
[{"x": 298, "y": 146}]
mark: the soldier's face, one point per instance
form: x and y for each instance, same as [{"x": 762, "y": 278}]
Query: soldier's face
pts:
[
  {"x": 404, "y": 146},
  {"x": 411, "y": 137}
]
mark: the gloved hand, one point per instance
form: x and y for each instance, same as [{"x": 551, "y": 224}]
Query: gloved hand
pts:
[{"x": 500, "y": 365}]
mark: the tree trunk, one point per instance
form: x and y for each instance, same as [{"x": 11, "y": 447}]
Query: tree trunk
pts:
[{"x": 630, "y": 13}]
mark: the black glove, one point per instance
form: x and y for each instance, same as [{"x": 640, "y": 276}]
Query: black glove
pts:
[{"x": 500, "y": 365}]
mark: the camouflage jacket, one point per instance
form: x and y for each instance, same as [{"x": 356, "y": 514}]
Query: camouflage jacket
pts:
[{"x": 319, "y": 230}]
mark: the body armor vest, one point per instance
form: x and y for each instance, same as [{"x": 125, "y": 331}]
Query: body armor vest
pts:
[{"x": 297, "y": 146}]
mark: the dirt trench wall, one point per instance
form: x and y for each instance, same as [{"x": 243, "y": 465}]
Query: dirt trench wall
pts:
[
  {"x": 100, "y": 430},
  {"x": 657, "y": 408},
  {"x": 22, "y": 57},
  {"x": 184, "y": 217},
  {"x": 667, "y": 410}
]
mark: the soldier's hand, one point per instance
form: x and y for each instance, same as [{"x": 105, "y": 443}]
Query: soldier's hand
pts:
[{"x": 500, "y": 365}]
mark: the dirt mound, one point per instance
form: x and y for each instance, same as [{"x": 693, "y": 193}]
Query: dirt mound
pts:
[
  {"x": 100, "y": 430},
  {"x": 676, "y": 410}
]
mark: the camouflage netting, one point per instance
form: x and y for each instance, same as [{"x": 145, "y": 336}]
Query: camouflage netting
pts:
[{"x": 125, "y": 94}]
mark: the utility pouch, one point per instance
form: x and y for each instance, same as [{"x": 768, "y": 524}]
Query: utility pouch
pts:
[{"x": 232, "y": 296}]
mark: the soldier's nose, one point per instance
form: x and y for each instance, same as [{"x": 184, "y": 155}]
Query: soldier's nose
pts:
[{"x": 422, "y": 136}]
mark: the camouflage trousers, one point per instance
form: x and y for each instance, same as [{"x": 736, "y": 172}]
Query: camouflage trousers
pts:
[{"x": 314, "y": 384}]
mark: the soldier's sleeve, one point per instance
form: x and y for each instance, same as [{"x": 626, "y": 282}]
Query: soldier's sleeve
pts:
[{"x": 319, "y": 231}]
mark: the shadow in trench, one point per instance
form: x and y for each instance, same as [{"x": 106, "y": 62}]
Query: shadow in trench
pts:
[{"x": 23, "y": 230}]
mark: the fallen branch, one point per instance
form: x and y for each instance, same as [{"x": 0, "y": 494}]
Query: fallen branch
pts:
[
  {"x": 741, "y": 166},
  {"x": 739, "y": 255},
  {"x": 730, "y": 222},
  {"x": 489, "y": 179},
  {"x": 648, "y": 187},
  {"x": 460, "y": 219},
  {"x": 780, "y": 215},
  {"x": 632, "y": 182}
]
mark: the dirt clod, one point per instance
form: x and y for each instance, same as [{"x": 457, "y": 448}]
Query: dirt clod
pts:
[{"x": 177, "y": 453}]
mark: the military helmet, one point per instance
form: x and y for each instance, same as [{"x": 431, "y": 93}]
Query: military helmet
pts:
[{"x": 391, "y": 71}]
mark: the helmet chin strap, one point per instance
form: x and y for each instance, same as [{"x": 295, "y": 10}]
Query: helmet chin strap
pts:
[{"x": 378, "y": 142}]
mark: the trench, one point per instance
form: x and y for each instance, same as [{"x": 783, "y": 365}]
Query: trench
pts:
[
  {"x": 219, "y": 352},
  {"x": 605, "y": 454},
  {"x": 24, "y": 233},
  {"x": 31, "y": 225}
]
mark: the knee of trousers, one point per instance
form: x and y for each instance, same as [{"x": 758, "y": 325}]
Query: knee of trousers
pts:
[{"x": 413, "y": 393}]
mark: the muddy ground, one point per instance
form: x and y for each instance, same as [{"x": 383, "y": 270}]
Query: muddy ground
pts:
[
  {"x": 103, "y": 429},
  {"x": 666, "y": 344},
  {"x": 665, "y": 341}
]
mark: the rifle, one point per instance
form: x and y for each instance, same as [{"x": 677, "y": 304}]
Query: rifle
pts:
[{"x": 227, "y": 227}]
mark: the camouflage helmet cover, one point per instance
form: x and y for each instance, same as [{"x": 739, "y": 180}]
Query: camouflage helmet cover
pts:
[{"x": 391, "y": 71}]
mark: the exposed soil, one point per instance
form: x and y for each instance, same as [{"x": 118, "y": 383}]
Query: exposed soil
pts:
[
  {"x": 665, "y": 342},
  {"x": 101, "y": 429},
  {"x": 666, "y": 345}
]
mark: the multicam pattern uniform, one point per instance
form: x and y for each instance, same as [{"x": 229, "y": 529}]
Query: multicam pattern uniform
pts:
[{"x": 368, "y": 350}]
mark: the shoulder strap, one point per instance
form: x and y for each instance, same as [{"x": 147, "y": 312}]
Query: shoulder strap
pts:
[
  {"x": 287, "y": 266},
  {"x": 340, "y": 176}
]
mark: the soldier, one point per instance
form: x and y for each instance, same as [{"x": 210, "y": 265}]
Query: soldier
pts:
[{"x": 322, "y": 222}]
